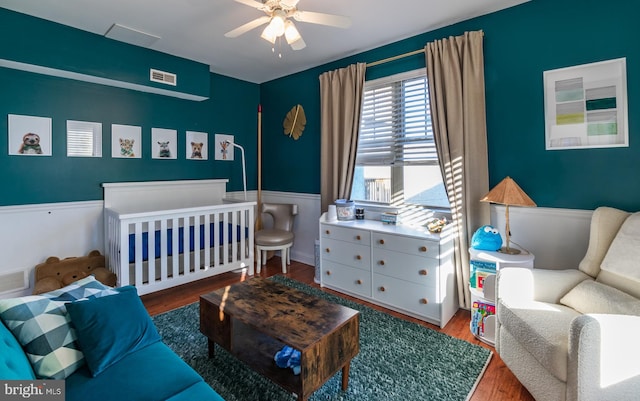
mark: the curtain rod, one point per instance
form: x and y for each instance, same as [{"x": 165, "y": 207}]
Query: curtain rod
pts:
[{"x": 399, "y": 56}]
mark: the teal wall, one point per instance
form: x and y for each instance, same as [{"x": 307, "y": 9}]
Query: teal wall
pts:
[
  {"x": 52, "y": 45},
  {"x": 230, "y": 109},
  {"x": 520, "y": 44}
]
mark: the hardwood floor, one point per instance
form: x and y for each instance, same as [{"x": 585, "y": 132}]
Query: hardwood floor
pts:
[{"x": 497, "y": 383}]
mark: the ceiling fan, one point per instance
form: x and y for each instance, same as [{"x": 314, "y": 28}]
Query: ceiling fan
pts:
[{"x": 278, "y": 14}]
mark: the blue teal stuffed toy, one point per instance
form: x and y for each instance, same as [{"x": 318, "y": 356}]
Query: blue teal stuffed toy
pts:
[
  {"x": 486, "y": 238},
  {"x": 288, "y": 357}
]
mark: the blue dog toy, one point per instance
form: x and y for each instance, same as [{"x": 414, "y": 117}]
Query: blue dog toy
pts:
[
  {"x": 288, "y": 357},
  {"x": 486, "y": 238}
]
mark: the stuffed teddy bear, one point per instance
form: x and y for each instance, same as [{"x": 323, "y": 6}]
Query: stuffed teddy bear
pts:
[{"x": 55, "y": 273}]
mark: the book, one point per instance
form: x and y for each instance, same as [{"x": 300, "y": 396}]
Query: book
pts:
[
  {"x": 479, "y": 312},
  {"x": 479, "y": 271}
]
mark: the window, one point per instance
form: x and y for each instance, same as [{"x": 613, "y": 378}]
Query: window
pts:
[
  {"x": 84, "y": 139},
  {"x": 397, "y": 163}
]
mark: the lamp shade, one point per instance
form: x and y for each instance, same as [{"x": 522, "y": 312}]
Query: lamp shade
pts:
[{"x": 507, "y": 192}]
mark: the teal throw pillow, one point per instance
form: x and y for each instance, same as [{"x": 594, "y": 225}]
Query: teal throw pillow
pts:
[
  {"x": 42, "y": 327},
  {"x": 110, "y": 328}
]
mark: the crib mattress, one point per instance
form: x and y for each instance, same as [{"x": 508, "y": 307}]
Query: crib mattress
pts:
[{"x": 145, "y": 240}]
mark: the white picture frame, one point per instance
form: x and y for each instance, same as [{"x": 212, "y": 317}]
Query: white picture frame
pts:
[
  {"x": 126, "y": 141},
  {"x": 164, "y": 144},
  {"x": 29, "y": 135},
  {"x": 84, "y": 139},
  {"x": 586, "y": 106},
  {"x": 197, "y": 145},
  {"x": 223, "y": 151}
]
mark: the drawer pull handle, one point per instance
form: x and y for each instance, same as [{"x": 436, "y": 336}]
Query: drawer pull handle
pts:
[
  {"x": 358, "y": 257},
  {"x": 358, "y": 237},
  {"x": 424, "y": 272},
  {"x": 424, "y": 301},
  {"x": 328, "y": 272},
  {"x": 381, "y": 242},
  {"x": 327, "y": 232},
  {"x": 327, "y": 250},
  {"x": 423, "y": 249},
  {"x": 381, "y": 263},
  {"x": 383, "y": 289},
  {"x": 358, "y": 281}
]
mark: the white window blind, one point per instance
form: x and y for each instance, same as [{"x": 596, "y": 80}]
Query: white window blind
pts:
[
  {"x": 84, "y": 139},
  {"x": 396, "y": 125}
]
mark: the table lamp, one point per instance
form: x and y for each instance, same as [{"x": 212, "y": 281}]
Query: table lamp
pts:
[{"x": 508, "y": 193}]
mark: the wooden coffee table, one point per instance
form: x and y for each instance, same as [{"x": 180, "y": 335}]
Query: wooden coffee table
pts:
[{"x": 256, "y": 318}]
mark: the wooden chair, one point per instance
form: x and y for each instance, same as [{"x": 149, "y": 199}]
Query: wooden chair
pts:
[{"x": 280, "y": 237}]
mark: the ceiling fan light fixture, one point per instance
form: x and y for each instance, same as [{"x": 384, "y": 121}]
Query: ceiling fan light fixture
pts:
[
  {"x": 291, "y": 33},
  {"x": 268, "y": 34},
  {"x": 277, "y": 23}
]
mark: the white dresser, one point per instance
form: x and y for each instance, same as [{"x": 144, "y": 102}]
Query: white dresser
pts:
[{"x": 402, "y": 268}]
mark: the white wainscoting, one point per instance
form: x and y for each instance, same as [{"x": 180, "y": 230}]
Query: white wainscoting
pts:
[
  {"x": 306, "y": 225},
  {"x": 557, "y": 237},
  {"x": 29, "y": 234}
]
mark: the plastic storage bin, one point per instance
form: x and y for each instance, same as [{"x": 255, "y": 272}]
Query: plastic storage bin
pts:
[{"x": 346, "y": 209}]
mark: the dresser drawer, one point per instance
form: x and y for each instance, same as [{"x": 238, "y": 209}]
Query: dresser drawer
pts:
[
  {"x": 411, "y": 297},
  {"x": 353, "y": 235},
  {"x": 347, "y": 278},
  {"x": 415, "y": 269},
  {"x": 355, "y": 255},
  {"x": 412, "y": 246}
]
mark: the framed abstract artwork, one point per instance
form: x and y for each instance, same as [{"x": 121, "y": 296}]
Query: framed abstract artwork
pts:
[{"x": 586, "y": 106}]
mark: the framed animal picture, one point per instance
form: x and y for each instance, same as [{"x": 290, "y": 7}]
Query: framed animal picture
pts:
[
  {"x": 197, "y": 145},
  {"x": 126, "y": 141},
  {"x": 29, "y": 135},
  {"x": 164, "y": 143},
  {"x": 224, "y": 150}
]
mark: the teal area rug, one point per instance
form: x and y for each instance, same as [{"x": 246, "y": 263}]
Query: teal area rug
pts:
[{"x": 398, "y": 360}]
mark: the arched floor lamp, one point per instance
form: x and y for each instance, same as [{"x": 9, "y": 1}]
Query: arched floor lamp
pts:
[{"x": 244, "y": 167}]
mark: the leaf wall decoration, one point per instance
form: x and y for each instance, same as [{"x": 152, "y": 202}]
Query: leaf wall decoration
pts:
[{"x": 294, "y": 122}]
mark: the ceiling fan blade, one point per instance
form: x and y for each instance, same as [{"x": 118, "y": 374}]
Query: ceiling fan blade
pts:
[
  {"x": 247, "y": 27},
  {"x": 252, "y": 3},
  {"x": 323, "y": 19},
  {"x": 298, "y": 44}
]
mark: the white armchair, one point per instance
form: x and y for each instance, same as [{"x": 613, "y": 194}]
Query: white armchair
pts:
[{"x": 575, "y": 334}]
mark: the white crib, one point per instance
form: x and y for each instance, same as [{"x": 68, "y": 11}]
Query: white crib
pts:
[{"x": 154, "y": 245}]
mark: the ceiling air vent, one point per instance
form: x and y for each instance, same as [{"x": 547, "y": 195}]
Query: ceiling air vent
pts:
[{"x": 163, "y": 77}]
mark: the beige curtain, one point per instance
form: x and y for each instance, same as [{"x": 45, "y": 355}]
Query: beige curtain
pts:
[
  {"x": 455, "y": 69},
  {"x": 341, "y": 94}
]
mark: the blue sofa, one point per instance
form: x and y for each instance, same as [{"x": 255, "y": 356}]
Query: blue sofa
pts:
[{"x": 122, "y": 356}]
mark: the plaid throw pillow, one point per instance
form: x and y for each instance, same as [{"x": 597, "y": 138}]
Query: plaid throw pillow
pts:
[{"x": 42, "y": 326}]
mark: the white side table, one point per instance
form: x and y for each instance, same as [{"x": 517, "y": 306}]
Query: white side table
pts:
[{"x": 484, "y": 266}]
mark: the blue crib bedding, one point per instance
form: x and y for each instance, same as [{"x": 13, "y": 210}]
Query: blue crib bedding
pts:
[{"x": 145, "y": 240}]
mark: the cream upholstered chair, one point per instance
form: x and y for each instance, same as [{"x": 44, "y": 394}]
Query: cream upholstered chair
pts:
[
  {"x": 279, "y": 237},
  {"x": 573, "y": 334}
]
